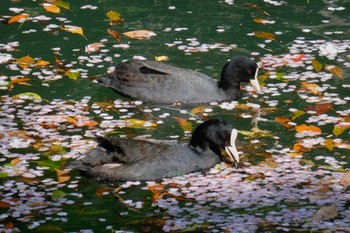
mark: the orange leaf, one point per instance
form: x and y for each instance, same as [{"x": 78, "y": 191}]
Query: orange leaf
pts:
[
  {"x": 9, "y": 225},
  {"x": 114, "y": 34},
  {"x": 260, "y": 20},
  {"x": 298, "y": 147},
  {"x": 298, "y": 58},
  {"x": 42, "y": 63},
  {"x": 310, "y": 87},
  {"x": 62, "y": 176},
  {"x": 4, "y": 204},
  {"x": 157, "y": 191},
  {"x": 102, "y": 190},
  {"x": 283, "y": 121},
  {"x": 265, "y": 35},
  {"x": 17, "y": 18},
  {"x": 345, "y": 180},
  {"x": 15, "y": 161},
  {"x": 184, "y": 123},
  {"x": 336, "y": 71},
  {"x": 303, "y": 127},
  {"x": 20, "y": 80},
  {"x": 51, "y": 8},
  {"x": 25, "y": 61}
]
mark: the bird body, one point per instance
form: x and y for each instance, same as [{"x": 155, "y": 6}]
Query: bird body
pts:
[
  {"x": 161, "y": 83},
  {"x": 140, "y": 159}
]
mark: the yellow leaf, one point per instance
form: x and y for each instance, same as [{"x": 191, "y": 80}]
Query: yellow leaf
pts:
[
  {"x": 161, "y": 58},
  {"x": 297, "y": 114},
  {"x": 265, "y": 35},
  {"x": 15, "y": 161},
  {"x": 62, "y": 176},
  {"x": 73, "y": 29},
  {"x": 140, "y": 34},
  {"x": 317, "y": 65},
  {"x": 329, "y": 144},
  {"x": 62, "y": 4},
  {"x": 137, "y": 123},
  {"x": 51, "y": 8},
  {"x": 74, "y": 75},
  {"x": 336, "y": 71},
  {"x": 21, "y": 80},
  {"x": 17, "y": 18},
  {"x": 345, "y": 180},
  {"x": 303, "y": 127},
  {"x": 340, "y": 128},
  {"x": 198, "y": 109},
  {"x": 27, "y": 96},
  {"x": 310, "y": 87},
  {"x": 113, "y": 15},
  {"x": 25, "y": 62}
]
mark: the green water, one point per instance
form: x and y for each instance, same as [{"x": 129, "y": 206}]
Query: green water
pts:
[{"x": 183, "y": 29}]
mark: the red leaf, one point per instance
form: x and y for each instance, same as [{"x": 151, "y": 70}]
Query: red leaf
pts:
[
  {"x": 320, "y": 108},
  {"x": 299, "y": 58}
]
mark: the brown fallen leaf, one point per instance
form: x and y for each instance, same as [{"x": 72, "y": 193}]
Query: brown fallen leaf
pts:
[
  {"x": 265, "y": 35},
  {"x": 62, "y": 176},
  {"x": 336, "y": 71},
  {"x": 184, "y": 123},
  {"x": 114, "y": 34},
  {"x": 326, "y": 213},
  {"x": 320, "y": 108},
  {"x": 345, "y": 180},
  {"x": 310, "y": 87},
  {"x": 140, "y": 34}
]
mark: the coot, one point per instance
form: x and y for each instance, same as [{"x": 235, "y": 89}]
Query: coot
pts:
[
  {"x": 161, "y": 83},
  {"x": 120, "y": 159}
]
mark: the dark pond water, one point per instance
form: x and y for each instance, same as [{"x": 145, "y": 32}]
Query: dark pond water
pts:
[{"x": 294, "y": 135}]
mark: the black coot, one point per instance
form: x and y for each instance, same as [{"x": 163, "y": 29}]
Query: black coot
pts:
[
  {"x": 134, "y": 159},
  {"x": 161, "y": 83}
]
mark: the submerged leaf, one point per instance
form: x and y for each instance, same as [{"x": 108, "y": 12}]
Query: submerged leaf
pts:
[
  {"x": 326, "y": 213},
  {"x": 140, "y": 34},
  {"x": 58, "y": 194},
  {"x": 265, "y": 35}
]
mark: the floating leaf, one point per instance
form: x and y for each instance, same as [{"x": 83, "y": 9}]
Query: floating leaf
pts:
[
  {"x": 265, "y": 35},
  {"x": 310, "y": 87},
  {"x": 56, "y": 194},
  {"x": 260, "y": 20},
  {"x": 336, "y": 71},
  {"x": 114, "y": 34},
  {"x": 4, "y": 204},
  {"x": 74, "y": 75},
  {"x": 52, "y": 165},
  {"x": 326, "y": 213},
  {"x": 94, "y": 47},
  {"x": 9, "y": 225},
  {"x": 51, "y": 8},
  {"x": 329, "y": 143},
  {"x": 42, "y": 63},
  {"x": 62, "y": 176},
  {"x": 307, "y": 162},
  {"x": 198, "y": 109},
  {"x": 73, "y": 29},
  {"x": 297, "y": 114},
  {"x": 283, "y": 121},
  {"x": 20, "y": 80},
  {"x": 27, "y": 96},
  {"x": 17, "y": 18},
  {"x": 63, "y": 4},
  {"x": 317, "y": 65},
  {"x": 345, "y": 180},
  {"x": 137, "y": 123},
  {"x": 140, "y": 34},
  {"x": 320, "y": 108},
  {"x": 161, "y": 58},
  {"x": 298, "y": 58},
  {"x": 184, "y": 123},
  {"x": 101, "y": 191},
  {"x": 25, "y": 61},
  {"x": 340, "y": 128},
  {"x": 303, "y": 127},
  {"x": 3, "y": 174},
  {"x": 113, "y": 15}
]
